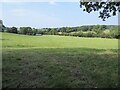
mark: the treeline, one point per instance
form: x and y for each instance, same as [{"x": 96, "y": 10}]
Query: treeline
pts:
[{"x": 103, "y": 31}]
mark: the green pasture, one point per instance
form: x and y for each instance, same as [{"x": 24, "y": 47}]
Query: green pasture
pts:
[
  {"x": 45, "y": 41},
  {"x": 58, "y": 62}
]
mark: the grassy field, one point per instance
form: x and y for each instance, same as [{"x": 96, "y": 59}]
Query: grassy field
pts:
[
  {"x": 59, "y": 61},
  {"x": 24, "y": 41}
]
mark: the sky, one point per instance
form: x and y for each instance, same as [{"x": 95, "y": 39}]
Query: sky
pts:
[{"x": 49, "y": 13}]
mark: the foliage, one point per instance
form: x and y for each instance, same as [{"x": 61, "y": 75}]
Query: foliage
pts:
[
  {"x": 26, "y": 30},
  {"x": 12, "y": 30},
  {"x": 80, "y": 31},
  {"x": 52, "y": 32},
  {"x": 106, "y": 9}
]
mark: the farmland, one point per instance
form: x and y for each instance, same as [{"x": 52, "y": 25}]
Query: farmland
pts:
[
  {"x": 53, "y": 41},
  {"x": 53, "y": 61}
]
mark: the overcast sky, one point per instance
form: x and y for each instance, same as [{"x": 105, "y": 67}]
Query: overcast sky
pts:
[{"x": 48, "y": 14}]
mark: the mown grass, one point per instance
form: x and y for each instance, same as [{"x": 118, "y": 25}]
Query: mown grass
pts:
[
  {"x": 51, "y": 68},
  {"x": 24, "y": 41},
  {"x": 60, "y": 63}
]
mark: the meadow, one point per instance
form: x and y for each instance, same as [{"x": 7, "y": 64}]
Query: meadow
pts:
[
  {"x": 52, "y": 61},
  {"x": 54, "y": 41}
]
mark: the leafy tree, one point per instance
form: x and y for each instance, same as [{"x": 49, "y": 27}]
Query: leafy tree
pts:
[
  {"x": 26, "y": 30},
  {"x": 97, "y": 29},
  {"x": 41, "y": 32},
  {"x": 63, "y": 29},
  {"x": 23, "y": 30},
  {"x": 106, "y": 9},
  {"x": 91, "y": 34},
  {"x": 105, "y": 35},
  {"x": 12, "y": 30},
  {"x": 2, "y": 28},
  {"x": 35, "y": 31},
  {"x": 84, "y": 28},
  {"x": 102, "y": 27},
  {"x": 90, "y": 27},
  {"x": 68, "y": 29},
  {"x": 53, "y": 31},
  {"x": 114, "y": 33},
  {"x": 29, "y": 30},
  {"x": 48, "y": 29}
]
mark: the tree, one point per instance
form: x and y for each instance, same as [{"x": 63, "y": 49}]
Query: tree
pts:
[
  {"x": 12, "y": 30},
  {"x": 84, "y": 28},
  {"x": 26, "y": 30},
  {"x": 23, "y": 30},
  {"x": 97, "y": 29},
  {"x": 53, "y": 31},
  {"x": 29, "y": 30},
  {"x": 40, "y": 31},
  {"x": 106, "y": 9},
  {"x": 91, "y": 34},
  {"x": 35, "y": 31},
  {"x": 2, "y": 27},
  {"x": 63, "y": 29}
]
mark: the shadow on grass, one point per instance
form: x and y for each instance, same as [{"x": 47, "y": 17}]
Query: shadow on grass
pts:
[{"x": 55, "y": 68}]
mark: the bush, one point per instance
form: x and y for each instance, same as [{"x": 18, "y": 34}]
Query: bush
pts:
[
  {"x": 12, "y": 30},
  {"x": 105, "y": 35}
]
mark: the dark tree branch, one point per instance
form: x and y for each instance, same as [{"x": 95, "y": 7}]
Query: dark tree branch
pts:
[{"x": 106, "y": 9}]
